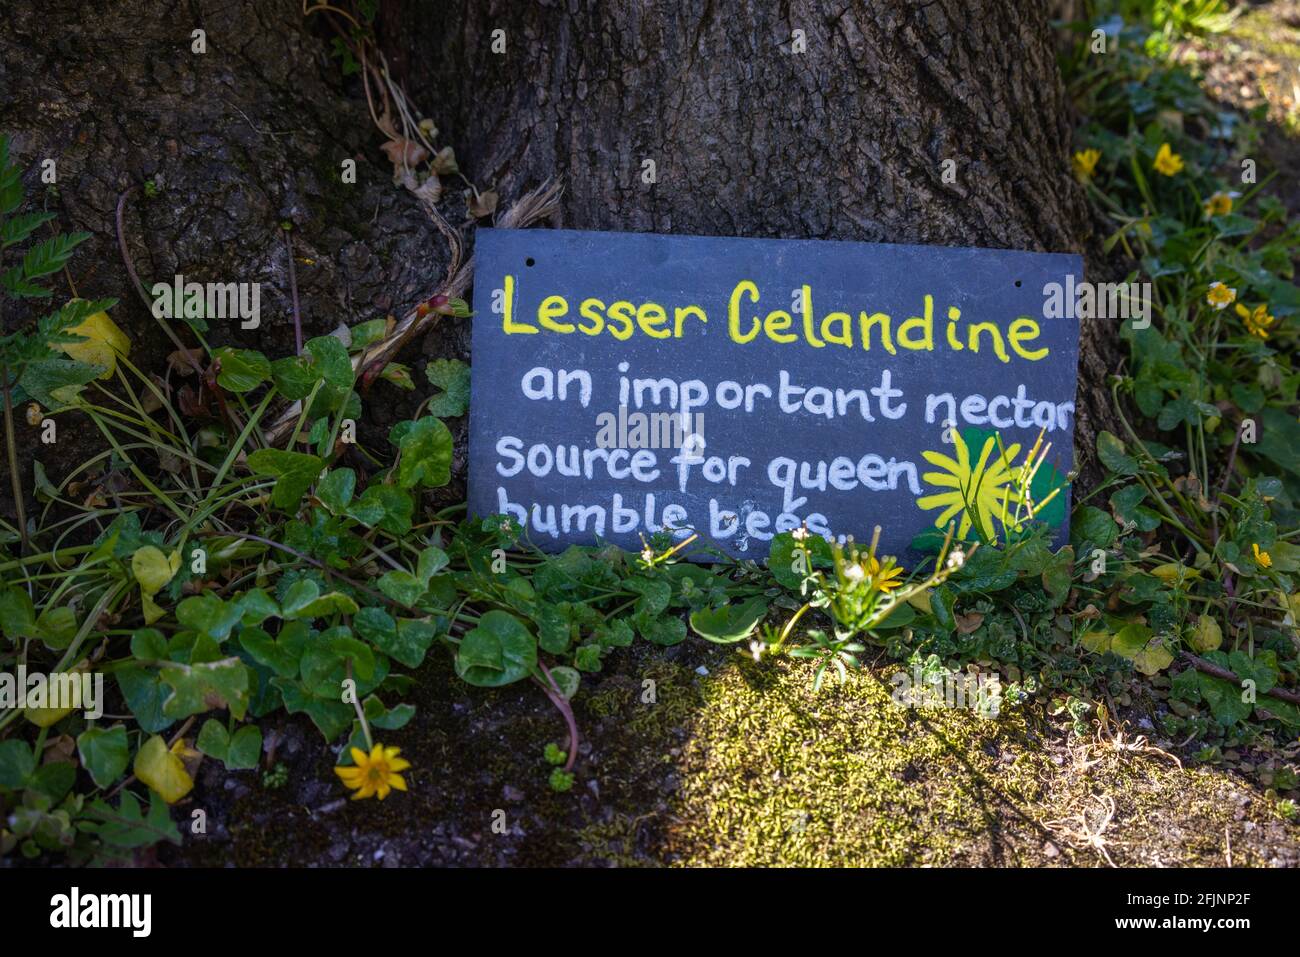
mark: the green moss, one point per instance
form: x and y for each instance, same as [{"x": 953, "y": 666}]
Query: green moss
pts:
[
  {"x": 777, "y": 774},
  {"x": 1266, "y": 31}
]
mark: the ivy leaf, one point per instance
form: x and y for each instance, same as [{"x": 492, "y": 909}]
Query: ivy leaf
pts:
[
  {"x": 17, "y": 614},
  {"x": 567, "y": 680},
  {"x": 336, "y": 488},
  {"x": 407, "y": 640},
  {"x": 328, "y": 653},
  {"x": 104, "y": 753},
  {"x": 330, "y": 715},
  {"x": 241, "y": 370},
  {"x": 425, "y": 449},
  {"x": 1224, "y": 699},
  {"x": 205, "y": 687},
  {"x": 787, "y": 568},
  {"x": 238, "y": 752},
  {"x": 655, "y": 595},
  {"x": 294, "y": 377},
  {"x": 209, "y": 615},
  {"x": 16, "y": 763},
  {"x": 498, "y": 651},
  {"x": 402, "y": 587},
  {"x": 452, "y": 376},
  {"x": 384, "y": 507},
  {"x": 1093, "y": 525},
  {"x": 162, "y": 770},
  {"x": 730, "y": 623},
  {"x": 1111, "y": 451},
  {"x": 304, "y": 600},
  {"x": 1261, "y": 669},
  {"x": 659, "y": 629},
  {"x": 281, "y": 654},
  {"x": 144, "y": 693},
  {"x": 330, "y": 358},
  {"x": 55, "y": 382},
  {"x": 1126, "y": 505},
  {"x": 294, "y": 473}
]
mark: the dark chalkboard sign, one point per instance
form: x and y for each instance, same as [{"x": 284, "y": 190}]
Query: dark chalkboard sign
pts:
[{"x": 624, "y": 383}]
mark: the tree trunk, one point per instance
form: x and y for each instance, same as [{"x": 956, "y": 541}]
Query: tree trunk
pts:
[
  {"x": 775, "y": 120},
  {"x": 793, "y": 120},
  {"x": 233, "y": 142}
]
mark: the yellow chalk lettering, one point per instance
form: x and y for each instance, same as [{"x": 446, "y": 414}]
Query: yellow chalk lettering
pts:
[
  {"x": 806, "y": 294},
  {"x": 508, "y": 323},
  {"x": 776, "y": 321},
  {"x": 1030, "y": 331},
  {"x": 650, "y": 317},
  {"x": 733, "y": 312},
  {"x": 953, "y": 315},
  {"x": 552, "y": 308},
  {"x": 925, "y": 324},
  {"x": 973, "y": 340},
  {"x": 622, "y": 312},
  {"x": 845, "y": 323},
  {"x": 593, "y": 310},
  {"x": 882, "y": 320},
  {"x": 680, "y": 314}
]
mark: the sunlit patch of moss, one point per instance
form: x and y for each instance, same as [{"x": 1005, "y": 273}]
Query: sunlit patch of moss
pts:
[
  {"x": 775, "y": 774},
  {"x": 779, "y": 774},
  {"x": 1265, "y": 30}
]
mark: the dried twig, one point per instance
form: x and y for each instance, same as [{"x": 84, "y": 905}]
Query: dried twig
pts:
[
  {"x": 1210, "y": 668},
  {"x": 537, "y": 205}
]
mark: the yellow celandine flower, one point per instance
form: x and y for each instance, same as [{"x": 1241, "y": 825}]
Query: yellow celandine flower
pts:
[
  {"x": 1085, "y": 163},
  {"x": 374, "y": 774},
  {"x": 1220, "y": 296},
  {"x": 1257, "y": 320},
  {"x": 1167, "y": 163},
  {"x": 1220, "y": 204},
  {"x": 886, "y": 580},
  {"x": 1263, "y": 558}
]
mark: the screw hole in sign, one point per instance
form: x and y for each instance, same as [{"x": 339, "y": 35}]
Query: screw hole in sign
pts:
[
  {"x": 530, "y": 261},
  {"x": 1017, "y": 283}
]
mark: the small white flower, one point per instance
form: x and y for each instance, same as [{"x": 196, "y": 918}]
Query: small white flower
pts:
[
  {"x": 756, "y": 650},
  {"x": 956, "y": 558},
  {"x": 647, "y": 554},
  {"x": 800, "y": 533},
  {"x": 854, "y": 572}
]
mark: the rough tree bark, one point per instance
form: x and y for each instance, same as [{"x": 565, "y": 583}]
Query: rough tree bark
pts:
[
  {"x": 749, "y": 137},
  {"x": 843, "y": 140},
  {"x": 236, "y": 141}
]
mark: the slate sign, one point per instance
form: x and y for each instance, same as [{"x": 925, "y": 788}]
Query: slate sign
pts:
[{"x": 624, "y": 383}]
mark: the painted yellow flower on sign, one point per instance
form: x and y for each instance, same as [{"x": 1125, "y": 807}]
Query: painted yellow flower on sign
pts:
[
  {"x": 1167, "y": 162},
  {"x": 374, "y": 774},
  {"x": 984, "y": 488},
  {"x": 1085, "y": 163}
]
